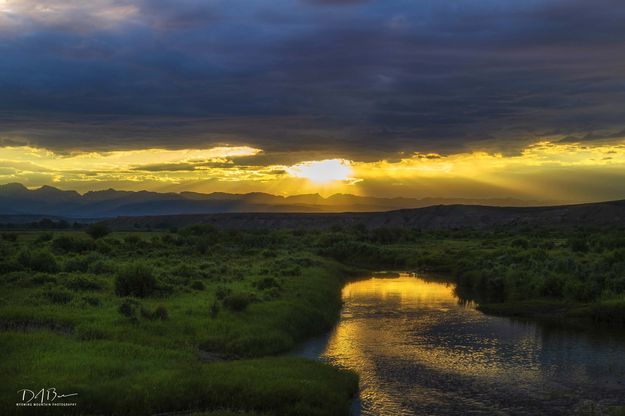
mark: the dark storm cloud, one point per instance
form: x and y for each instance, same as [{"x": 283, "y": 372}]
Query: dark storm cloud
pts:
[
  {"x": 363, "y": 81},
  {"x": 336, "y": 2}
]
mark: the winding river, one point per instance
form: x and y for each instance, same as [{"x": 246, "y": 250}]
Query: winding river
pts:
[{"x": 419, "y": 350}]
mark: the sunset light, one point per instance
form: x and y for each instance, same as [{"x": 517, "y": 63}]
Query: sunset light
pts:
[
  {"x": 323, "y": 171},
  {"x": 312, "y": 207}
]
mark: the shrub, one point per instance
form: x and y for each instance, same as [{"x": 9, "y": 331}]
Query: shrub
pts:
[
  {"x": 98, "y": 230},
  {"x": 100, "y": 266},
  {"x": 612, "y": 310},
  {"x": 159, "y": 313},
  {"x": 92, "y": 300},
  {"x": 197, "y": 285},
  {"x": 520, "y": 243},
  {"x": 58, "y": 295},
  {"x": 238, "y": 302},
  {"x": 82, "y": 283},
  {"x": 135, "y": 280},
  {"x": 39, "y": 260},
  {"x": 76, "y": 264},
  {"x": 128, "y": 308},
  {"x": 132, "y": 240},
  {"x": 66, "y": 243},
  {"x": 8, "y": 265},
  {"x": 579, "y": 245},
  {"x": 15, "y": 277},
  {"x": 10, "y": 237},
  {"x": 222, "y": 292},
  {"x": 44, "y": 237},
  {"x": 271, "y": 293},
  {"x": 42, "y": 278},
  {"x": 267, "y": 283}
]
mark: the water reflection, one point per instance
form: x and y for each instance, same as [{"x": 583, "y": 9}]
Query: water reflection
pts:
[{"x": 419, "y": 350}]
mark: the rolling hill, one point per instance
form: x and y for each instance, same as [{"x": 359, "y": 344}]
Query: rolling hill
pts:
[
  {"x": 16, "y": 199},
  {"x": 595, "y": 215}
]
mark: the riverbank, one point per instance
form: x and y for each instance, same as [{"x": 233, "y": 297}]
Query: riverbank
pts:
[
  {"x": 579, "y": 315},
  {"x": 419, "y": 350},
  {"x": 121, "y": 315},
  {"x": 128, "y": 320}
]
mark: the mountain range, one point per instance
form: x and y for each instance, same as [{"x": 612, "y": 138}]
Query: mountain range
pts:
[
  {"x": 17, "y": 200},
  {"x": 599, "y": 215}
]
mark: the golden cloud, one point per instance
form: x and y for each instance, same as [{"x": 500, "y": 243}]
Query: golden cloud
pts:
[{"x": 223, "y": 168}]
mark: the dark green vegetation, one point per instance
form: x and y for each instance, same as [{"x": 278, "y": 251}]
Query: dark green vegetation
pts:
[
  {"x": 556, "y": 274},
  {"x": 150, "y": 322},
  {"x": 142, "y": 323}
]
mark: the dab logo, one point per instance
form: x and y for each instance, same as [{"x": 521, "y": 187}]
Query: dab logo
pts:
[{"x": 45, "y": 397}]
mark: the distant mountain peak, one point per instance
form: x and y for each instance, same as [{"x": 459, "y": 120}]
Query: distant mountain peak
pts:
[
  {"x": 13, "y": 186},
  {"x": 47, "y": 188},
  {"x": 51, "y": 190}
]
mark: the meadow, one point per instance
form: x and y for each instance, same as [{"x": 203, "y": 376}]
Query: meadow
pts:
[
  {"x": 200, "y": 319},
  {"x": 142, "y": 323},
  {"x": 567, "y": 275}
]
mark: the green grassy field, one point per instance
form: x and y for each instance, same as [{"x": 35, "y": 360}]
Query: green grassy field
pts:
[
  {"x": 567, "y": 275},
  {"x": 196, "y": 320},
  {"x": 142, "y": 323}
]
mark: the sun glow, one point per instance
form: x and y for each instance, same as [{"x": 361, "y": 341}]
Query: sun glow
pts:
[
  {"x": 538, "y": 169},
  {"x": 4, "y": 6},
  {"x": 323, "y": 171}
]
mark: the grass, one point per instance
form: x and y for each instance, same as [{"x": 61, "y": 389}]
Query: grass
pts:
[
  {"x": 114, "y": 377},
  {"x": 126, "y": 322},
  {"x": 141, "y": 322}
]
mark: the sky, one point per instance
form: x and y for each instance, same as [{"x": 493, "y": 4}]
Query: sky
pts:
[{"x": 427, "y": 98}]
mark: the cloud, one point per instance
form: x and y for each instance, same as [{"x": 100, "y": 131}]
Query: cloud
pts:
[
  {"x": 543, "y": 170},
  {"x": 365, "y": 83},
  {"x": 71, "y": 15},
  {"x": 336, "y": 2}
]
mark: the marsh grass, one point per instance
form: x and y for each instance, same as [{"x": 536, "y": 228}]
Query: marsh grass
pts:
[
  {"x": 128, "y": 339},
  {"x": 126, "y": 319}
]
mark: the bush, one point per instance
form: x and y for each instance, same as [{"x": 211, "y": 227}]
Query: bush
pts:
[
  {"x": 579, "y": 245},
  {"x": 10, "y": 237},
  {"x": 92, "y": 300},
  {"x": 197, "y": 285},
  {"x": 9, "y": 265},
  {"x": 59, "y": 296},
  {"x": 238, "y": 302},
  {"x": 159, "y": 313},
  {"x": 66, "y": 243},
  {"x": 128, "y": 308},
  {"x": 42, "y": 278},
  {"x": 135, "y": 280},
  {"x": 267, "y": 283},
  {"x": 612, "y": 310},
  {"x": 132, "y": 240},
  {"x": 39, "y": 260},
  {"x": 222, "y": 292},
  {"x": 520, "y": 243},
  {"x": 98, "y": 230},
  {"x": 44, "y": 237},
  {"x": 76, "y": 264},
  {"x": 81, "y": 283},
  {"x": 100, "y": 266}
]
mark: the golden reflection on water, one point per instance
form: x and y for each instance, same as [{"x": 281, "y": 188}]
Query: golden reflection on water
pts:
[
  {"x": 420, "y": 351},
  {"x": 413, "y": 321},
  {"x": 405, "y": 289}
]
